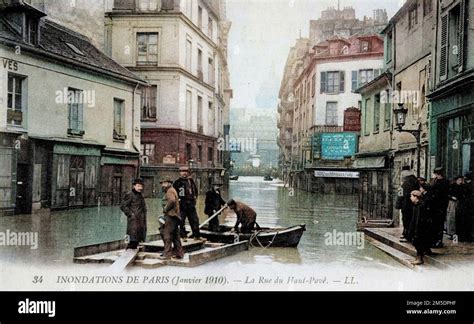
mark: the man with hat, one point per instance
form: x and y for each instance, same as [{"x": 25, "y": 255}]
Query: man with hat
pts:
[
  {"x": 245, "y": 216},
  {"x": 409, "y": 184},
  {"x": 187, "y": 193},
  {"x": 213, "y": 203},
  {"x": 438, "y": 200},
  {"x": 134, "y": 207},
  {"x": 170, "y": 229}
]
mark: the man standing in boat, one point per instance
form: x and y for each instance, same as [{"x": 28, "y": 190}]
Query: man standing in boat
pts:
[
  {"x": 134, "y": 207},
  {"x": 187, "y": 193},
  {"x": 245, "y": 216},
  {"x": 170, "y": 230},
  {"x": 213, "y": 203}
]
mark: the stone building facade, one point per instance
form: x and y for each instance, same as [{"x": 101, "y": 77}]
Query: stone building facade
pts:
[
  {"x": 180, "y": 48},
  {"x": 69, "y": 117}
]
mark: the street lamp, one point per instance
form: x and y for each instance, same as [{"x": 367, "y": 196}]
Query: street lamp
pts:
[
  {"x": 191, "y": 164},
  {"x": 401, "y": 116}
]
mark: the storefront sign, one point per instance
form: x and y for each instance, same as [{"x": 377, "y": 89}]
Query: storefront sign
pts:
[
  {"x": 352, "y": 120},
  {"x": 336, "y": 174},
  {"x": 337, "y": 146}
]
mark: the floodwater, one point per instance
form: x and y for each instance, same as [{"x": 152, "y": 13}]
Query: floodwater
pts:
[{"x": 59, "y": 232}]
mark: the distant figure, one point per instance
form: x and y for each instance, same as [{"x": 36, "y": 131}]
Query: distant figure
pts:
[
  {"x": 187, "y": 193},
  {"x": 213, "y": 203},
  {"x": 404, "y": 203},
  {"x": 464, "y": 221},
  {"x": 170, "y": 230},
  {"x": 245, "y": 216},
  {"x": 421, "y": 181},
  {"x": 134, "y": 207},
  {"x": 438, "y": 200},
  {"x": 422, "y": 231}
]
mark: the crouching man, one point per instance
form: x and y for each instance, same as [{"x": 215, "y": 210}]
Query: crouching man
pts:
[
  {"x": 245, "y": 216},
  {"x": 170, "y": 230}
]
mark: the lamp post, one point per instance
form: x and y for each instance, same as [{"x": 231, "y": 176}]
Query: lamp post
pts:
[{"x": 400, "y": 116}]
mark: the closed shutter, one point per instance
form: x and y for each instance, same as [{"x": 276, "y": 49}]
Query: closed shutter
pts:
[
  {"x": 461, "y": 33},
  {"x": 443, "y": 61},
  {"x": 355, "y": 80},
  {"x": 342, "y": 81},
  {"x": 323, "y": 82}
]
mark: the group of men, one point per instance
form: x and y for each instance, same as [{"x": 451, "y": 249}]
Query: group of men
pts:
[
  {"x": 179, "y": 202},
  {"x": 424, "y": 209}
]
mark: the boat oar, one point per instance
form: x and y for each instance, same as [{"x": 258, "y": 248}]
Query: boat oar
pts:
[{"x": 213, "y": 216}]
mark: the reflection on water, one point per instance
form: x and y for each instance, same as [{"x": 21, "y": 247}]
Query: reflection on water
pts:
[{"x": 59, "y": 232}]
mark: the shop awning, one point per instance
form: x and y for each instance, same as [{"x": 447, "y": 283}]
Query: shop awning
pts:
[{"x": 372, "y": 162}]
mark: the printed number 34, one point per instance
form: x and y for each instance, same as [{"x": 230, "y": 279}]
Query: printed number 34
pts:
[{"x": 37, "y": 279}]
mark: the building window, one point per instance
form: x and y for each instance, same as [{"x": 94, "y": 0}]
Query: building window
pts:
[
  {"x": 332, "y": 82},
  {"x": 355, "y": 80},
  {"x": 147, "y": 45},
  {"x": 210, "y": 155},
  {"x": 210, "y": 27},
  {"x": 147, "y": 151},
  {"x": 189, "y": 109},
  {"x": 199, "y": 115},
  {"x": 148, "y": 102},
  {"x": 189, "y": 51},
  {"x": 211, "y": 71},
  {"x": 148, "y": 5},
  {"x": 313, "y": 86},
  {"x": 365, "y": 76},
  {"x": 365, "y": 46},
  {"x": 16, "y": 100},
  {"x": 200, "y": 14},
  {"x": 211, "y": 118},
  {"x": 76, "y": 108},
  {"x": 331, "y": 114},
  {"x": 377, "y": 113},
  {"x": 189, "y": 151},
  {"x": 412, "y": 17},
  {"x": 32, "y": 31},
  {"x": 366, "y": 116},
  {"x": 389, "y": 47},
  {"x": 199, "y": 153},
  {"x": 199, "y": 67},
  {"x": 427, "y": 7},
  {"x": 119, "y": 119},
  {"x": 387, "y": 112}
]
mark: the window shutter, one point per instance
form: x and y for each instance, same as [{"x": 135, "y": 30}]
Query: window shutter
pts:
[
  {"x": 124, "y": 4},
  {"x": 354, "y": 80},
  {"x": 443, "y": 60},
  {"x": 323, "y": 82},
  {"x": 342, "y": 75},
  {"x": 461, "y": 33}
]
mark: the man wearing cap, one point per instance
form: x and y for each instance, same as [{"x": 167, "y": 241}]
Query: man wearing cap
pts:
[
  {"x": 438, "y": 200},
  {"x": 170, "y": 230},
  {"x": 134, "y": 207},
  {"x": 187, "y": 193},
  {"x": 213, "y": 203}
]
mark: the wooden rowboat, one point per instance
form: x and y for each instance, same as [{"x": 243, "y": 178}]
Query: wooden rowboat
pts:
[{"x": 264, "y": 237}]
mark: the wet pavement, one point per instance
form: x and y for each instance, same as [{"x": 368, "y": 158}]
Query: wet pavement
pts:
[{"x": 61, "y": 231}]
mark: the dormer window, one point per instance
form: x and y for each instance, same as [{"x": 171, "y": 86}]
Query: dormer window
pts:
[
  {"x": 32, "y": 31},
  {"x": 365, "y": 46}
]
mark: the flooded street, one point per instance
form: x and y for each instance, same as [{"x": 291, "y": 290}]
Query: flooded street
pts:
[{"x": 59, "y": 232}]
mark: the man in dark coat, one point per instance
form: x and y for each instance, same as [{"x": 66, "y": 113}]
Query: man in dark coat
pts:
[
  {"x": 213, "y": 203},
  {"x": 170, "y": 230},
  {"x": 410, "y": 183},
  {"x": 422, "y": 230},
  {"x": 187, "y": 193},
  {"x": 438, "y": 200},
  {"x": 134, "y": 207},
  {"x": 245, "y": 216}
]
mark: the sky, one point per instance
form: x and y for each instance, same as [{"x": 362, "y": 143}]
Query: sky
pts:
[{"x": 261, "y": 36}]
